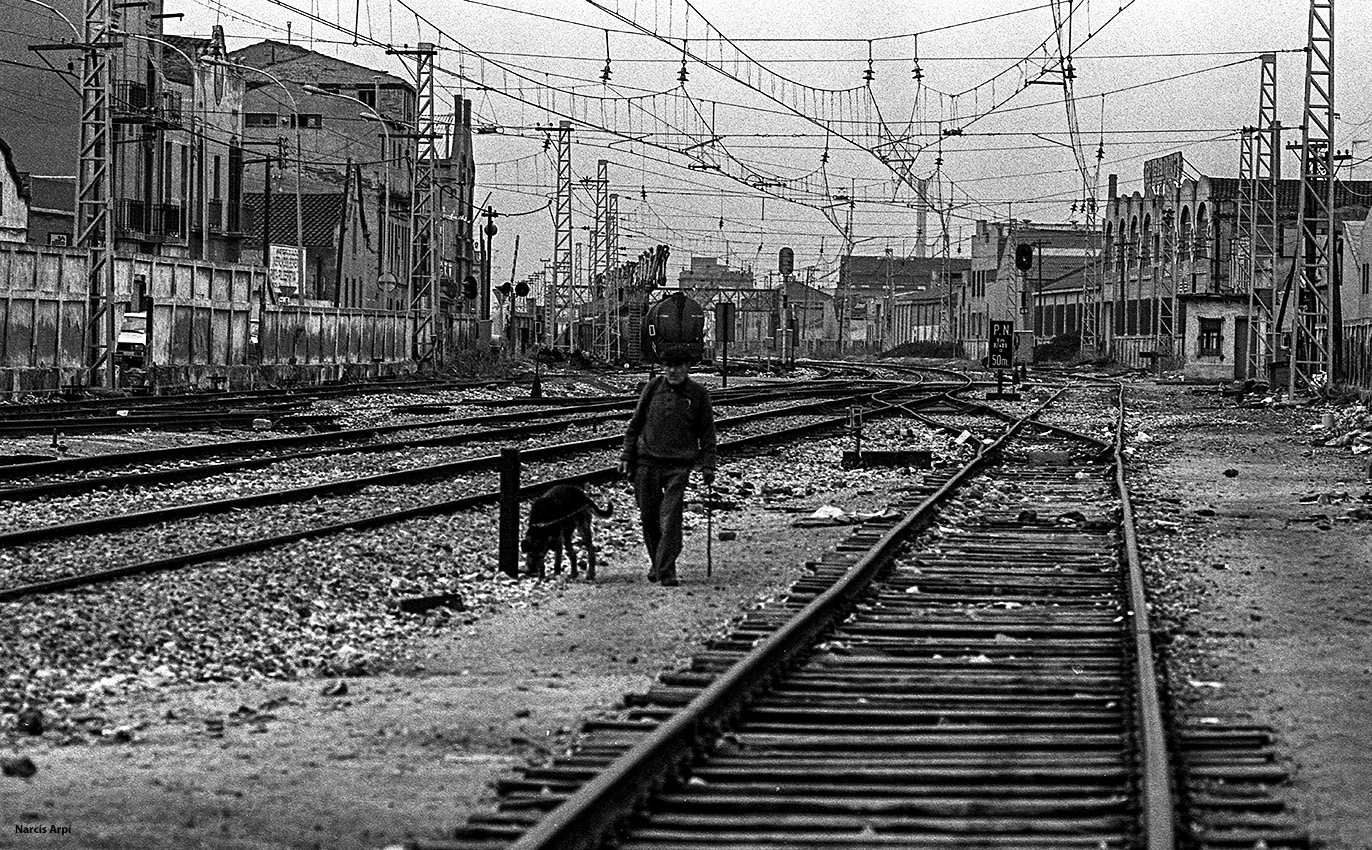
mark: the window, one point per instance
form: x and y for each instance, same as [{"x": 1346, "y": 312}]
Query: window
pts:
[
  {"x": 367, "y": 96},
  {"x": 1211, "y": 337},
  {"x": 261, "y": 119},
  {"x": 1365, "y": 269},
  {"x": 307, "y": 120}
]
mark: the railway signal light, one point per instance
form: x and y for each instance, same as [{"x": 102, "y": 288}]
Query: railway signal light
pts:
[
  {"x": 1024, "y": 256},
  {"x": 522, "y": 289},
  {"x": 469, "y": 288},
  {"x": 786, "y": 261}
]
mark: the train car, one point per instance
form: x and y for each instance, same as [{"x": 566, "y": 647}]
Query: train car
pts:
[{"x": 674, "y": 329}]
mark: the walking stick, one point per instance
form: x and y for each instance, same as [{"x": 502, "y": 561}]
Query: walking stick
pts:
[{"x": 709, "y": 529}]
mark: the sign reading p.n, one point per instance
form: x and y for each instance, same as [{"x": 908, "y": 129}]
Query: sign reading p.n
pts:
[{"x": 1001, "y": 344}]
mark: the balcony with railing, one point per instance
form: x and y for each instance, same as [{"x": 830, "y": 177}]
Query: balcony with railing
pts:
[
  {"x": 132, "y": 102},
  {"x": 170, "y": 111},
  {"x": 148, "y": 220}
]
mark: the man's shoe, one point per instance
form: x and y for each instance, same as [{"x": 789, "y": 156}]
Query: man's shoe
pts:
[
  {"x": 670, "y": 581},
  {"x": 652, "y": 576}
]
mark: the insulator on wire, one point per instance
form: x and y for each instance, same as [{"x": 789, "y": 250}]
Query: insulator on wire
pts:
[{"x": 605, "y": 72}]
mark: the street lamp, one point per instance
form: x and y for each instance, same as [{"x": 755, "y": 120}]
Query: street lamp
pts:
[
  {"x": 386, "y": 279},
  {"x": 299, "y": 155}
]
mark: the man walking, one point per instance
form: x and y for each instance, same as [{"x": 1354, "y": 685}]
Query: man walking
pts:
[{"x": 672, "y": 430}]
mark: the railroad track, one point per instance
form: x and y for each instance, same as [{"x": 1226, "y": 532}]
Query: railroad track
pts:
[
  {"x": 984, "y": 681},
  {"x": 44, "y": 478},
  {"x": 815, "y": 420}
]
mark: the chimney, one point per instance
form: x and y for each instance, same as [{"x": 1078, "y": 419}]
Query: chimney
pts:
[
  {"x": 1114, "y": 186},
  {"x": 466, "y": 113}
]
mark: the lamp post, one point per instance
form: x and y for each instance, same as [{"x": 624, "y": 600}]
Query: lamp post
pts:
[
  {"x": 386, "y": 279},
  {"x": 299, "y": 155}
]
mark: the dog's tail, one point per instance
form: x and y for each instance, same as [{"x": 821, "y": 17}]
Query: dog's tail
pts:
[{"x": 604, "y": 512}]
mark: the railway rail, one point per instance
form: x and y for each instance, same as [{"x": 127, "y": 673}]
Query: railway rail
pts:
[
  {"x": 976, "y": 673},
  {"x": 813, "y": 414}
]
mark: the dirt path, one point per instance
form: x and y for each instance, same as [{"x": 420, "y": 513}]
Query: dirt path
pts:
[
  {"x": 1267, "y": 598},
  {"x": 404, "y": 755}
]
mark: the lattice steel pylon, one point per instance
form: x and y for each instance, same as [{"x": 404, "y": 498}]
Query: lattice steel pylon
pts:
[
  {"x": 95, "y": 194},
  {"x": 1312, "y": 337},
  {"x": 561, "y": 297},
  {"x": 1262, "y": 246},
  {"x": 424, "y": 212},
  {"x": 611, "y": 231}
]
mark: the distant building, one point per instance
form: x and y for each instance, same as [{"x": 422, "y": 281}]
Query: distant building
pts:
[
  {"x": 14, "y": 199},
  {"x": 710, "y": 273},
  {"x": 169, "y": 123},
  {"x": 50, "y": 210},
  {"x": 1048, "y": 299},
  {"x": 339, "y": 242},
  {"x": 1172, "y": 247},
  {"x": 869, "y": 287},
  {"x": 337, "y": 143},
  {"x": 816, "y": 321},
  {"x": 332, "y": 133},
  {"x": 210, "y": 169}
]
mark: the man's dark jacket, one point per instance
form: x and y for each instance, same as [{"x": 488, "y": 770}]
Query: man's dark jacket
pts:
[{"x": 672, "y": 426}]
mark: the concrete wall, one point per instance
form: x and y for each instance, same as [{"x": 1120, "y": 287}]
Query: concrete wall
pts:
[{"x": 207, "y": 328}]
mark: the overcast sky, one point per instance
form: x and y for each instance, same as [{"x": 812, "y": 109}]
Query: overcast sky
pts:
[{"x": 672, "y": 155}]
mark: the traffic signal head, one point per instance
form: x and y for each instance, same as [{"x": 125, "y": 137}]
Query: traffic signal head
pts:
[
  {"x": 786, "y": 261},
  {"x": 504, "y": 290},
  {"x": 1024, "y": 256},
  {"x": 469, "y": 288},
  {"x": 522, "y": 289}
]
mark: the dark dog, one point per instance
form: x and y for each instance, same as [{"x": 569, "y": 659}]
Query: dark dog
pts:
[{"x": 553, "y": 517}]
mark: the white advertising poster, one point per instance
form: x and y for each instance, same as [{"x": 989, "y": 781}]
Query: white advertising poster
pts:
[{"x": 285, "y": 271}]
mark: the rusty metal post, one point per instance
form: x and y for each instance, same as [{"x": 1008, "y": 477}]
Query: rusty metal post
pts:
[{"x": 509, "y": 511}]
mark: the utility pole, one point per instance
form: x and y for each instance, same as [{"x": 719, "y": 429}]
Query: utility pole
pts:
[
  {"x": 1313, "y": 332},
  {"x": 424, "y": 212},
  {"x": 602, "y": 212},
  {"x": 94, "y": 223},
  {"x": 1261, "y": 196},
  {"x": 888, "y": 319},
  {"x": 845, "y": 274},
  {"x": 558, "y": 299}
]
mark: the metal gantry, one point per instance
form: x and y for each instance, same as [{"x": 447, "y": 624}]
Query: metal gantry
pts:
[
  {"x": 95, "y": 194},
  {"x": 611, "y": 230},
  {"x": 561, "y": 296},
  {"x": 424, "y": 213},
  {"x": 1313, "y": 334},
  {"x": 1266, "y": 235},
  {"x": 1259, "y": 171}
]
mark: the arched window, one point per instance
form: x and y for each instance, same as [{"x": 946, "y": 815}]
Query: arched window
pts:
[
  {"x": 1201, "y": 242},
  {"x": 1184, "y": 243},
  {"x": 1146, "y": 252},
  {"x": 1133, "y": 242},
  {"x": 1110, "y": 253}
]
